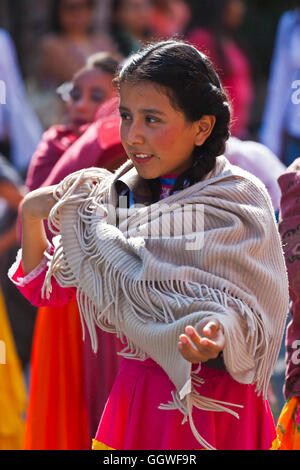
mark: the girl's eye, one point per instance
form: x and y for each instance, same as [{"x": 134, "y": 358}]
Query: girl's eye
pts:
[
  {"x": 75, "y": 94},
  {"x": 152, "y": 119},
  {"x": 125, "y": 116},
  {"x": 97, "y": 95}
]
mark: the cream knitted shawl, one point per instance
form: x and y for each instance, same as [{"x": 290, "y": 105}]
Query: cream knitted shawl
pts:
[{"x": 147, "y": 290}]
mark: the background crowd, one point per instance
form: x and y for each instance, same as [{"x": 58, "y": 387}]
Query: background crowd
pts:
[{"x": 43, "y": 45}]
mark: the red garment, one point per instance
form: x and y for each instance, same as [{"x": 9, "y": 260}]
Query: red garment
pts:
[
  {"x": 139, "y": 424},
  {"x": 57, "y": 416},
  {"x": 62, "y": 152},
  {"x": 54, "y": 143},
  {"x": 289, "y": 227},
  {"x": 238, "y": 83},
  {"x": 99, "y": 146},
  {"x": 57, "y": 402}
]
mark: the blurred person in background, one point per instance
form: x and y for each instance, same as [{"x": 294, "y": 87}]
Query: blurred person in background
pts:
[
  {"x": 20, "y": 129},
  {"x": 91, "y": 86},
  {"x": 288, "y": 425},
  {"x": 169, "y": 17},
  {"x": 280, "y": 129},
  {"x": 71, "y": 40},
  {"x": 64, "y": 50},
  {"x": 20, "y": 132},
  {"x": 12, "y": 388},
  {"x": 211, "y": 31},
  {"x": 129, "y": 24},
  {"x": 260, "y": 161},
  {"x": 21, "y": 314},
  {"x": 16, "y": 317}
]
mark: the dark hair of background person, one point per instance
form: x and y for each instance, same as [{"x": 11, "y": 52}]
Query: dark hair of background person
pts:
[
  {"x": 193, "y": 86},
  {"x": 54, "y": 24},
  {"x": 104, "y": 61}
]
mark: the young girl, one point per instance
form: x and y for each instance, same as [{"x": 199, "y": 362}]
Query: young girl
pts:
[{"x": 200, "y": 308}]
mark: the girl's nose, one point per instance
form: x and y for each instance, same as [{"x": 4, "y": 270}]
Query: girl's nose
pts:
[
  {"x": 82, "y": 103},
  {"x": 135, "y": 134}
]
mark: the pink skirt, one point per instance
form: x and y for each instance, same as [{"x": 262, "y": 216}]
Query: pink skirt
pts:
[{"x": 131, "y": 419}]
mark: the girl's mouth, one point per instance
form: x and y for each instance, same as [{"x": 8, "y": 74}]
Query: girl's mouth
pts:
[
  {"x": 142, "y": 157},
  {"x": 80, "y": 122}
]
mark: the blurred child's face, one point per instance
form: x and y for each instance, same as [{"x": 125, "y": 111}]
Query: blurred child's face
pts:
[
  {"x": 75, "y": 15},
  {"x": 234, "y": 14},
  {"x": 133, "y": 15},
  {"x": 90, "y": 89},
  {"x": 157, "y": 137}
]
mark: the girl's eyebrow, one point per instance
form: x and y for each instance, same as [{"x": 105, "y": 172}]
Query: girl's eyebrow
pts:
[
  {"x": 152, "y": 111},
  {"x": 123, "y": 108},
  {"x": 144, "y": 110}
]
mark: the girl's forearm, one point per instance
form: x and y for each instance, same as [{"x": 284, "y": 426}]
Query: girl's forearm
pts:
[
  {"x": 34, "y": 243},
  {"x": 35, "y": 209}
]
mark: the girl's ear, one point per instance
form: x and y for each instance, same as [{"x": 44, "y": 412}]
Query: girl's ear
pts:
[{"x": 204, "y": 128}]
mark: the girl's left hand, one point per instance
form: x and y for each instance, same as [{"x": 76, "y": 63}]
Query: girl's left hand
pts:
[{"x": 195, "y": 348}]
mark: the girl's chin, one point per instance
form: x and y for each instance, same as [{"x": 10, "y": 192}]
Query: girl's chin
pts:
[
  {"x": 79, "y": 128},
  {"x": 146, "y": 170},
  {"x": 146, "y": 173}
]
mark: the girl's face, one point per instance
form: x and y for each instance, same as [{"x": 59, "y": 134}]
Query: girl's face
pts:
[
  {"x": 90, "y": 89},
  {"x": 157, "y": 137}
]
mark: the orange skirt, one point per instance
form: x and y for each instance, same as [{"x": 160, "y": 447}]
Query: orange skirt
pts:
[
  {"x": 57, "y": 413},
  {"x": 288, "y": 426}
]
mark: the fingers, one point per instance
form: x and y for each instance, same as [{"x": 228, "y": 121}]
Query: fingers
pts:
[
  {"x": 188, "y": 351},
  {"x": 214, "y": 330},
  {"x": 211, "y": 329},
  {"x": 195, "y": 348}
]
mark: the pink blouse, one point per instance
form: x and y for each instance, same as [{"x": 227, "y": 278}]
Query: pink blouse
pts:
[{"x": 30, "y": 285}]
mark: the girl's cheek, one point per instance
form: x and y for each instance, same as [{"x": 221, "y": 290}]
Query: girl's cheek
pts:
[
  {"x": 165, "y": 137},
  {"x": 93, "y": 110},
  {"x": 123, "y": 134}
]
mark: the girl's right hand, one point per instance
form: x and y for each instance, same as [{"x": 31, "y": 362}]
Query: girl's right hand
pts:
[
  {"x": 202, "y": 347},
  {"x": 38, "y": 203}
]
